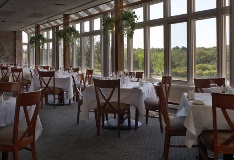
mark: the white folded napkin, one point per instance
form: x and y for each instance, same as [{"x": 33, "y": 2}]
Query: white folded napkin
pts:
[
  {"x": 191, "y": 95},
  {"x": 142, "y": 83},
  {"x": 218, "y": 89}
]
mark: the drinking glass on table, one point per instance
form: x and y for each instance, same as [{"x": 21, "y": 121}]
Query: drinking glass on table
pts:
[{"x": 213, "y": 87}]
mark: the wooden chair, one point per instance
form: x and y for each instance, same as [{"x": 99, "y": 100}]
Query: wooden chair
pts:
[
  {"x": 5, "y": 74},
  {"x": 218, "y": 141},
  {"x": 17, "y": 76},
  {"x": 200, "y": 84},
  {"x": 88, "y": 77},
  {"x": 174, "y": 126},
  {"x": 106, "y": 105},
  {"x": 130, "y": 74},
  {"x": 13, "y": 87},
  {"x": 76, "y": 70},
  {"x": 139, "y": 76},
  {"x": 152, "y": 104},
  {"x": 82, "y": 82},
  {"x": 79, "y": 98},
  {"x": 17, "y": 136},
  {"x": 47, "y": 84}
]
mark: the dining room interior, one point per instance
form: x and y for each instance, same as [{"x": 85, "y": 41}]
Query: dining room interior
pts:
[{"x": 116, "y": 79}]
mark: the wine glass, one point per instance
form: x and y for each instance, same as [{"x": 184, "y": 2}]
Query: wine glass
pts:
[{"x": 213, "y": 87}]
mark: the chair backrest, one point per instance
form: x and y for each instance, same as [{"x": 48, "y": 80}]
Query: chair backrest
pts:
[
  {"x": 45, "y": 67},
  {"x": 225, "y": 102},
  {"x": 139, "y": 75},
  {"x": 24, "y": 136},
  {"x": 205, "y": 83},
  {"x": 17, "y": 74},
  {"x": 105, "y": 89},
  {"x": 163, "y": 104},
  {"x": 47, "y": 80},
  {"x": 5, "y": 73},
  {"x": 76, "y": 70},
  {"x": 77, "y": 89},
  {"x": 13, "y": 87},
  {"x": 166, "y": 83},
  {"x": 88, "y": 77},
  {"x": 130, "y": 74}
]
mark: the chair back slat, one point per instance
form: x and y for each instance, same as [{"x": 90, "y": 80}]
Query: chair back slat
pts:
[
  {"x": 5, "y": 74},
  {"x": 88, "y": 77},
  {"x": 201, "y": 83},
  {"x": 13, "y": 87},
  {"x": 17, "y": 74},
  {"x": 139, "y": 76},
  {"x": 46, "y": 77},
  {"x": 166, "y": 83}
]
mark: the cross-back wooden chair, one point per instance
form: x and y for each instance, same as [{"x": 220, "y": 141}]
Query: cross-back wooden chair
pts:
[
  {"x": 19, "y": 135},
  {"x": 139, "y": 76},
  {"x": 47, "y": 84},
  {"x": 13, "y": 87},
  {"x": 5, "y": 74},
  {"x": 79, "y": 98},
  {"x": 88, "y": 77},
  {"x": 107, "y": 103},
  {"x": 201, "y": 83},
  {"x": 152, "y": 104},
  {"x": 18, "y": 76},
  {"x": 174, "y": 126},
  {"x": 219, "y": 141},
  {"x": 76, "y": 70}
]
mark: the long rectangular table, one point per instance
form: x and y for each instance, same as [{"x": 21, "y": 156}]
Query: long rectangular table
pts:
[
  {"x": 7, "y": 114},
  {"x": 133, "y": 95},
  {"x": 199, "y": 117}
]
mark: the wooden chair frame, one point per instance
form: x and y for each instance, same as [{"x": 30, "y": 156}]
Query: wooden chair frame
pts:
[
  {"x": 205, "y": 83},
  {"x": 18, "y": 76},
  {"x": 5, "y": 74},
  {"x": 88, "y": 77}
]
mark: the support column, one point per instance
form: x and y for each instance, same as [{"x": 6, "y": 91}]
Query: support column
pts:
[
  {"x": 231, "y": 43},
  {"x": 37, "y": 48},
  {"x": 119, "y": 41},
  {"x": 66, "y": 46}
]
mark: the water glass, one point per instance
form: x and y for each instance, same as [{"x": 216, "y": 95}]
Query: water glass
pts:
[{"x": 213, "y": 87}]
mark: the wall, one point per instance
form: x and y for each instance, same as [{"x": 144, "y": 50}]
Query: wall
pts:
[{"x": 10, "y": 47}]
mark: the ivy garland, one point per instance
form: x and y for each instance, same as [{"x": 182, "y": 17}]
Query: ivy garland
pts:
[
  {"x": 37, "y": 40},
  {"x": 108, "y": 24},
  {"x": 68, "y": 34}
]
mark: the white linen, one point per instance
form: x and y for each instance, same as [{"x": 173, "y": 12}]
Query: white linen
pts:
[
  {"x": 199, "y": 117},
  {"x": 129, "y": 95},
  {"x": 7, "y": 114},
  {"x": 62, "y": 81}
]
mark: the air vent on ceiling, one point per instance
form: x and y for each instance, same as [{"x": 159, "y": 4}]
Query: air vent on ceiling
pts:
[
  {"x": 3, "y": 3},
  {"x": 36, "y": 15}
]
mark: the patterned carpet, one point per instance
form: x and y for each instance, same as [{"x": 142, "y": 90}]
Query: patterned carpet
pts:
[{"x": 63, "y": 139}]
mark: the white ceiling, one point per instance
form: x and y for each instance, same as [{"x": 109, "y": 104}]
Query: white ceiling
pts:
[{"x": 17, "y": 15}]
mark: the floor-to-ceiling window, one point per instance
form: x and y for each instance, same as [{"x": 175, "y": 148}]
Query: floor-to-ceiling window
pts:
[{"x": 25, "y": 48}]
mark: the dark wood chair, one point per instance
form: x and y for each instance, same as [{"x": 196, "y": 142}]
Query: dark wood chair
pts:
[
  {"x": 5, "y": 74},
  {"x": 88, "y": 77},
  {"x": 130, "y": 74},
  {"x": 108, "y": 105},
  {"x": 174, "y": 126},
  {"x": 79, "y": 98},
  {"x": 13, "y": 87},
  {"x": 16, "y": 137},
  {"x": 18, "y": 76},
  {"x": 139, "y": 76},
  {"x": 47, "y": 84},
  {"x": 218, "y": 141},
  {"x": 152, "y": 104},
  {"x": 200, "y": 83},
  {"x": 76, "y": 70}
]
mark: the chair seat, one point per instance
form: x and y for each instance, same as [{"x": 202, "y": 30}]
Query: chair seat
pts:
[
  {"x": 207, "y": 138},
  {"x": 57, "y": 90},
  {"x": 6, "y": 135},
  {"x": 151, "y": 102},
  {"x": 177, "y": 123},
  {"x": 122, "y": 106}
]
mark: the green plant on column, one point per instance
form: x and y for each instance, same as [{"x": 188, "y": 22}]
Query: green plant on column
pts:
[
  {"x": 37, "y": 40},
  {"x": 69, "y": 34},
  {"x": 108, "y": 24}
]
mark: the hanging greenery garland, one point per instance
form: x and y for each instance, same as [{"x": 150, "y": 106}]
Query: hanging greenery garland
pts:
[
  {"x": 108, "y": 24},
  {"x": 37, "y": 40},
  {"x": 68, "y": 34}
]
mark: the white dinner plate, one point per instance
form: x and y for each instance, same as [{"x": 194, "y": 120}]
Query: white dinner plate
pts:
[{"x": 197, "y": 102}]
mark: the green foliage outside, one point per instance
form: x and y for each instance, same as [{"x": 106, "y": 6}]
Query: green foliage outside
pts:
[{"x": 97, "y": 55}]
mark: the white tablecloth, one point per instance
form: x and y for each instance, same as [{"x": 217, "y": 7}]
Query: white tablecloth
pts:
[
  {"x": 199, "y": 117},
  {"x": 26, "y": 75},
  {"x": 132, "y": 95},
  {"x": 63, "y": 81},
  {"x": 7, "y": 113}
]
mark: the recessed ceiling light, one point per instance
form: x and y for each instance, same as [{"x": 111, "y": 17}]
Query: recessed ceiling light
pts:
[{"x": 60, "y": 4}]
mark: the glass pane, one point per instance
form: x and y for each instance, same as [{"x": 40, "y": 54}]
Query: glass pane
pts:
[
  {"x": 156, "y": 52},
  {"x": 50, "y": 56},
  {"x": 178, "y": 7},
  {"x": 86, "y": 26},
  {"x": 97, "y": 23},
  {"x": 125, "y": 54},
  {"x": 227, "y": 2},
  {"x": 156, "y": 11},
  {"x": 77, "y": 54},
  {"x": 45, "y": 34},
  {"x": 50, "y": 34},
  {"x": 139, "y": 13},
  {"x": 78, "y": 27},
  {"x": 97, "y": 55},
  {"x": 138, "y": 50},
  {"x": 227, "y": 50},
  {"x": 179, "y": 51},
  {"x": 201, "y": 5},
  {"x": 45, "y": 55},
  {"x": 87, "y": 52},
  {"x": 25, "y": 37},
  {"x": 206, "y": 51},
  {"x": 25, "y": 55}
]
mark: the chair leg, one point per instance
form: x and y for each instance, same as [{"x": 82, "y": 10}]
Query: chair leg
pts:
[
  {"x": 202, "y": 151},
  {"x": 16, "y": 155},
  {"x": 4, "y": 155},
  {"x": 98, "y": 123},
  {"x": 103, "y": 116},
  {"x": 33, "y": 150},
  {"x": 166, "y": 145},
  {"x": 160, "y": 120},
  {"x": 136, "y": 118},
  {"x": 146, "y": 116},
  {"x": 78, "y": 113}
]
